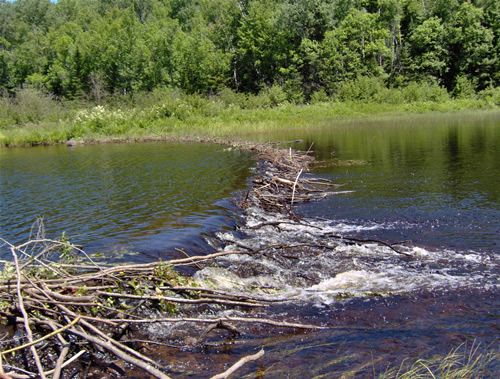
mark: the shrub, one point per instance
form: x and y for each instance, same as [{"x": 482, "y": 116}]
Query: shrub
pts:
[
  {"x": 258, "y": 101},
  {"x": 424, "y": 91},
  {"x": 32, "y": 106},
  {"x": 319, "y": 96},
  {"x": 490, "y": 95},
  {"x": 228, "y": 97},
  {"x": 102, "y": 120},
  {"x": 363, "y": 88},
  {"x": 276, "y": 95},
  {"x": 463, "y": 89},
  {"x": 294, "y": 92},
  {"x": 390, "y": 96}
]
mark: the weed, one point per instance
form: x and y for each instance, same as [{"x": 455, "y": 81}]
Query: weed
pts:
[
  {"x": 170, "y": 113},
  {"x": 462, "y": 362},
  {"x": 68, "y": 254}
]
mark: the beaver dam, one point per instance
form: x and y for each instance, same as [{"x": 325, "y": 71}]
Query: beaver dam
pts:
[{"x": 275, "y": 282}]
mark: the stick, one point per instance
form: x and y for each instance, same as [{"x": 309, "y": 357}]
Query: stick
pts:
[
  {"x": 238, "y": 364},
  {"x": 186, "y": 254},
  {"x": 180, "y": 300},
  {"x": 69, "y": 361},
  {"x": 31, "y": 343},
  {"x": 13, "y": 248},
  {"x": 227, "y": 318},
  {"x": 295, "y": 185},
  {"x": 109, "y": 339},
  {"x": 121, "y": 354},
  {"x": 25, "y": 316}
]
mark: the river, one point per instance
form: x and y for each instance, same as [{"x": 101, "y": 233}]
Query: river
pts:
[{"x": 429, "y": 182}]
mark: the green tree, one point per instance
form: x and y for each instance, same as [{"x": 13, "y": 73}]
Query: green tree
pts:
[
  {"x": 428, "y": 50},
  {"x": 356, "y": 47},
  {"x": 257, "y": 55},
  {"x": 198, "y": 65},
  {"x": 472, "y": 52},
  {"x": 159, "y": 38}
]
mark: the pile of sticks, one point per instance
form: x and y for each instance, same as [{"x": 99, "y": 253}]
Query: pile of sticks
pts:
[
  {"x": 281, "y": 182},
  {"x": 63, "y": 311}
]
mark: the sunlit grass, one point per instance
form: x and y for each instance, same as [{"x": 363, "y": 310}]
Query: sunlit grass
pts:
[
  {"x": 463, "y": 362},
  {"x": 170, "y": 114}
]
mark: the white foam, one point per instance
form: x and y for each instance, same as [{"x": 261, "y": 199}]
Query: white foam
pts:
[{"x": 339, "y": 268}]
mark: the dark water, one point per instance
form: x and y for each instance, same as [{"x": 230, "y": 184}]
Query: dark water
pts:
[
  {"x": 149, "y": 198},
  {"x": 432, "y": 181}
]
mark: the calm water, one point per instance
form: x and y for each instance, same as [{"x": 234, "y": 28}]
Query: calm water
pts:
[
  {"x": 433, "y": 182},
  {"x": 150, "y": 198}
]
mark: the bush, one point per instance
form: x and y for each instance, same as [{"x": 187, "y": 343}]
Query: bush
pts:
[
  {"x": 30, "y": 106},
  {"x": 390, "y": 96},
  {"x": 276, "y": 95},
  {"x": 490, "y": 95},
  {"x": 463, "y": 89},
  {"x": 294, "y": 92},
  {"x": 258, "y": 101},
  {"x": 319, "y": 96},
  {"x": 228, "y": 97},
  {"x": 363, "y": 89},
  {"x": 424, "y": 91}
]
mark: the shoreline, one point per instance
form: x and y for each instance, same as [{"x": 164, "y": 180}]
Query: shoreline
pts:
[{"x": 237, "y": 125}]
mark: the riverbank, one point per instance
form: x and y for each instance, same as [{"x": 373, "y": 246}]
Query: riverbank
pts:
[{"x": 171, "y": 115}]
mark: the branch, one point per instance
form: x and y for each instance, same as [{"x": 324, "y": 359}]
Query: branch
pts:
[
  {"x": 52, "y": 334},
  {"x": 238, "y": 364},
  {"x": 25, "y": 317},
  {"x": 121, "y": 354}
]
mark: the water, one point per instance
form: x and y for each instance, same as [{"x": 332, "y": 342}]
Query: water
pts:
[
  {"x": 430, "y": 182},
  {"x": 112, "y": 199},
  {"x": 435, "y": 183}
]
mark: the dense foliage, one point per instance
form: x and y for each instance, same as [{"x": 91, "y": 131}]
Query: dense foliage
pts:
[{"x": 87, "y": 49}]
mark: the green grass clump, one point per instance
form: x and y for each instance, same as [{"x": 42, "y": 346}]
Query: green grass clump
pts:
[{"x": 461, "y": 363}]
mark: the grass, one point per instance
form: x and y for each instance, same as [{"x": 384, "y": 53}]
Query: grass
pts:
[
  {"x": 463, "y": 362},
  {"x": 38, "y": 119}
]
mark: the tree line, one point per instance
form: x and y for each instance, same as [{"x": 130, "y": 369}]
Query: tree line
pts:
[{"x": 86, "y": 49}]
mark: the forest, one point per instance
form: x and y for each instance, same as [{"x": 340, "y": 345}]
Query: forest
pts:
[{"x": 90, "y": 49}]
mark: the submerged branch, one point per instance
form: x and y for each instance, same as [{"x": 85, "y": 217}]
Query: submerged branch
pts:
[{"x": 237, "y": 365}]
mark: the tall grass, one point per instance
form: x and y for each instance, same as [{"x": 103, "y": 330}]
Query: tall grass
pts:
[
  {"x": 33, "y": 117},
  {"x": 461, "y": 363}
]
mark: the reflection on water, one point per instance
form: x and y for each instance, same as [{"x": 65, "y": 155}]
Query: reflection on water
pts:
[
  {"x": 149, "y": 197},
  {"x": 435, "y": 183}
]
